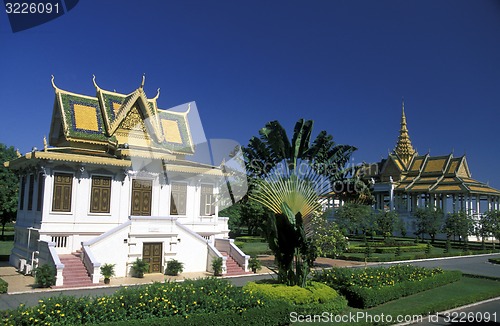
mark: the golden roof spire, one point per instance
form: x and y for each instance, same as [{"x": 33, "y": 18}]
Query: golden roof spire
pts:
[{"x": 404, "y": 149}]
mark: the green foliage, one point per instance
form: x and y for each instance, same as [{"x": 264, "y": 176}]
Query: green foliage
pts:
[
  {"x": 459, "y": 224},
  {"x": 372, "y": 286},
  {"x": 217, "y": 266},
  {"x": 386, "y": 222},
  {"x": 494, "y": 260},
  {"x": 314, "y": 292},
  {"x": 428, "y": 220},
  {"x": 272, "y": 314},
  {"x": 139, "y": 267},
  {"x": 326, "y": 237},
  {"x": 250, "y": 239},
  {"x": 397, "y": 253},
  {"x": 8, "y": 187},
  {"x": 254, "y": 264},
  {"x": 3, "y": 286},
  {"x": 353, "y": 217},
  {"x": 108, "y": 270},
  {"x": 428, "y": 248},
  {"x": 489, "y": 224},
  {"x": 174, "y": 267},
  {"x": 157, "y": 300},
  {"x": 45, "y": 275}
]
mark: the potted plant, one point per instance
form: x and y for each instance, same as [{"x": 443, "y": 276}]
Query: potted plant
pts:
[
  {"x": 254, "y": 264},
  {"x": 217, "y": 266},
  {"x": 108, "y": 271},
  {"x": 174, "y": 267},
  {"x": 139, "y": 267}
]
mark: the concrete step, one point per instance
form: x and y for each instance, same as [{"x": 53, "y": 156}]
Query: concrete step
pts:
[{"x": 74, "y": 273}]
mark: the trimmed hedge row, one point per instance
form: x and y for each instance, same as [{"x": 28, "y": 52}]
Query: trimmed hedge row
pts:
[
  {"x": 250, "y": 239},
  {"x": 314, "y": 293},
  {"x": 274, "y": 313},
  {"x": 381, "y": 250},
  {"x": 361, "y": 297},
  {"x": 3, "y": 286}
]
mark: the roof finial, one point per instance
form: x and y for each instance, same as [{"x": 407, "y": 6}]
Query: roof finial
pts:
[
  {"x": 18, "y": 153},
  {"x": 189, "y": 108},
  {"x": 143, "y": 80},
  {"x": 404, "y": 148},
  {"x": 53, "y": 84},
  {"x": 157, "y": 95},
  {"x": 95, "y": 84},
  {"x": 45, "y": 143}
]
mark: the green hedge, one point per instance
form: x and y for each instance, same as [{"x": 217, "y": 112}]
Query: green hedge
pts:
[
  {"x": 3, "y": 286},
  {"x": 313, "y": 299},
  {"x": 250, "y": 239},
  {"x": 385, "y": 249},
  {"x": 361, "y": 297},
  {"x": 157, "y": 300},
  {"x": 494, "y": 260},
  {"x": 274, "y": 313},
  {"x": 313, "y": 293}
]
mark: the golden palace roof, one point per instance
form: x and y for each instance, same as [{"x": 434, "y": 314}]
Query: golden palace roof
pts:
[{"x": 110, "y": 119}]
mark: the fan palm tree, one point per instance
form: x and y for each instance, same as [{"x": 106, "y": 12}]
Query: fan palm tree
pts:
[
  {"x": 293, "y": 199},
  {"x": 273, "y": 147}
]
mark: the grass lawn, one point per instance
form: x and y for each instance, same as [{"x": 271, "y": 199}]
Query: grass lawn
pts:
[
  {"x": 465, "y": 291},
  {"x": 7, "y": 244},
  {"x": 255, "y": 248}
]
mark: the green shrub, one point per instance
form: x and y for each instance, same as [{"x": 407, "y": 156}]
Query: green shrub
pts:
[
  {"x": 314, "y": 293},
  {"x": 250, "y": 239},
  {"x": 372, "y": 286},
  {"x": 139, "y": 267},
  {"x": 272, "y": 314},
  {"x": 364, "y": 297},
  {"x": 157, "y": 300},
  {"x": 217, "y": 266},
  {"x": 3, "y": 286},
  {"x": 45, "y": 275},
  {"x": 494, "y": 260},
  {"x": 174, "y": 267}
]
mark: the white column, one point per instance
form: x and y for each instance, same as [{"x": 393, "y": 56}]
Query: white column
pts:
[{"x": 478, "y": 204}]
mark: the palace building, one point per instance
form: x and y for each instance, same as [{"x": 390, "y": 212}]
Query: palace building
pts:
[
  {"x": 406, "y": 180},
  {"x": 114, "y": 183}
]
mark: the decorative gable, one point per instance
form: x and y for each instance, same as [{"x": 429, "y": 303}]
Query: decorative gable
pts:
[{"x": 112, "y": 120}]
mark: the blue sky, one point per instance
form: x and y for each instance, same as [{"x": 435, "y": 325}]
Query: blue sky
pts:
[{"x": 344, "y": 64}]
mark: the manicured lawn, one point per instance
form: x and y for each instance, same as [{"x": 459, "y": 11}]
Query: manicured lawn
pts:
[
  {"x": 465, "y": 291},
  {"x": 255, "y": 248},
  {"x": 6, "y": 246}
]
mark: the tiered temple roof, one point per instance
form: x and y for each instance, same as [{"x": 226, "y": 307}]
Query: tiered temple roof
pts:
[
  {"x": 110, "y": 129},
  {"x": 415, "y": 173},
  {"x": 110, "y": 119}
]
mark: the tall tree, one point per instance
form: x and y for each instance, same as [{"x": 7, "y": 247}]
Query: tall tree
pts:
[
  {"x": 273, "y": 151},
  {"x": 287, "y": 176},
  {"x": 352, "y": 218},
  {"x": 459, "y": 224},
  {"x": 490, "y": 225},
  {"x": 8, "y": 187},
  {"x": 429, "y": 220}
]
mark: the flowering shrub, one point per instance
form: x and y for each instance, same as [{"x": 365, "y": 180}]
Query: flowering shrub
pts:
[
  {"x": 155, "y": 300},
  {"x": 372, "y": 286},
  {"x": 3, "y": 286},
  {"x": 374, "y": 277}
]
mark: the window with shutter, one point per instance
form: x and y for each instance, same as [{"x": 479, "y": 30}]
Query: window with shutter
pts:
[
  {"x": 63, "y": 184},
  {"x": 101, "y": 194},
  {"x": 207, "y": 207},
  {"x": 178, "y": 199}
]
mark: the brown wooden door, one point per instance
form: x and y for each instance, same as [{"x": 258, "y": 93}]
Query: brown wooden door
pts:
[
  {"x": 151, "y": 254},
  {"x": 141, "y": 197}
]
